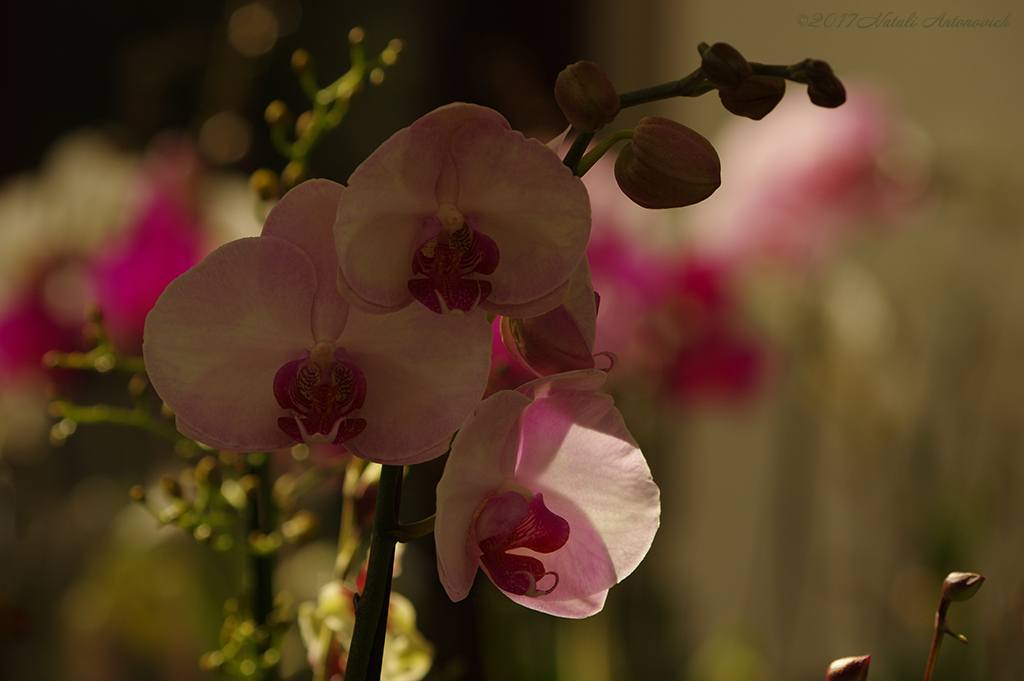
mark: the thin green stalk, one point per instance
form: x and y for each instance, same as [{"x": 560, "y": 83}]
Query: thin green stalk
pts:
[
  {"x": 262, "y": 566},
  {"x": 940, "y": 629},
  {"x": 595, "y": 154},
  {"x": 367, "y": 648},
  {"x": 692, "y": 85}
]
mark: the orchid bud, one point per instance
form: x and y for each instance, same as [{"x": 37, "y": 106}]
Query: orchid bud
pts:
[
  {"x": 823, "y": 87},
  {"x": 667, "y": 165},
  {"x": 960, "y": 586},
  {"x": 755, "y": 98},
  {"x": 302, "y": 62},
  {"x": 849, "y": 669},
  {"x": 724, "y": 66},
  {"x": 586, "y": 96},
  {"x": 278, "y": 114}
]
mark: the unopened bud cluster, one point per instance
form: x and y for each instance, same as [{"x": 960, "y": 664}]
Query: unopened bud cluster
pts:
[{"x": 745, "y": 93}]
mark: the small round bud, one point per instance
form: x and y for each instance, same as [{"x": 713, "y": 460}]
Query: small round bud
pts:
[
  {"x": 264, "y": 183},
  {"x": 277, "y": 113},
  {"x": 137, "y": 493},
  {"x": 301, "y": 527},
  {"x": 667, "y": 165},
  {"x": 303, "y": 122},
  {"x": 849, "y": 669},
  {"x": 823, "y": 87},
  {"x": 960, "y": 586},
  {"x": 724, "y": 66},
  {"x": 294, "y": 173},
  {"x": 755, "y": 98},
  {"x": 586, "y": 96},
  {"x": 302, "y": 61}
]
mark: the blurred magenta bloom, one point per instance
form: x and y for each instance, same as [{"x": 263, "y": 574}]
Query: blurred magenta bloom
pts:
[
  {"x": 548, "y": 493},
  {"x": 164, "y": 241},
  {"x": 459, "y": 211},
  {"x": 798, "y": 183},
  {"x": 99, "y": 226},
  {"x": 666, "y": 313},
  {"x": 255, "y": 349},
  {"x": 714, "y": 358}
]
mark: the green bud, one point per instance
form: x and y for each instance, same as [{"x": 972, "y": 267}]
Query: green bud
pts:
[
  {"x": 586, "y": 96},
  {"x": 755, "y": 98},
  {"x": 278, "y": 114},
  {"x": 293, "y": 174},
  {"x": 302, "y": 61},
  {"x": 849, "y": 669},
  {"x": 667, "y": 165},
  {"x": 961, "y": 586},
  {"x": 724, "y": 66}
]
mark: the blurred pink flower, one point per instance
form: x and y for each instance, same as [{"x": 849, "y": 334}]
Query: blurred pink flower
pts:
[
  {"x": 254, "y": 349},
  {"x": 666, "y": 313},
  {"x": 459, "y": 211},
  {"x": 549, "y": 469},
  {"x": 128, "y": 277},
  {"x": 100, "y": 226},
  {"x": 795, "y": 184}
]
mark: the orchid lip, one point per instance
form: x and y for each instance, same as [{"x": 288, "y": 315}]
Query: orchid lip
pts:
[
  {"x": 447, "y": 260},
  {"x": 509, "y": 521},
  {"x": 319, "y": 390}
]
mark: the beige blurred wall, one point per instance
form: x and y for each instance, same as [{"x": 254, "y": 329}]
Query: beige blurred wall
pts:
[{"x": 793, "y": 483}]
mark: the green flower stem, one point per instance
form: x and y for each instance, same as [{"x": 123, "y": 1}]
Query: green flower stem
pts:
[
  {"x": 367, "y": 648},
  {"x": 941, "y": 628},
  {"x": 421, "y": 528},
  {"x": 101, "y": 359},
  {"x": 102, "y": 413},
  {"x": 575, "y": 155},
  {"x": 260, "y": 519},
  {"x": 348, "y": 534},
  {"x": 595, "y": 154},
  {"x": 693, "y": 85}
]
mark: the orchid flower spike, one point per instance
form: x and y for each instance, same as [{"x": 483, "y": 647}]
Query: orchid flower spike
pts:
[
  {"x": 548, "y": 493},
  {"x": 255, "y": 349},
  {"x": 459, "y": 211}
]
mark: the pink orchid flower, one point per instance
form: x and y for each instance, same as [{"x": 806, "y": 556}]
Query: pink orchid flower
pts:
[
  {"x": 255, "y": 349},
  {"x": 545, "y": 490},
  {"x": 459, "y": 211}
]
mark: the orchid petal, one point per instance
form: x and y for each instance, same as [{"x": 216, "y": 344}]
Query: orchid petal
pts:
[
  {"x": 217, "y": 336},
  {"x": 465, "y": 160},
  {"x": 390, "y": 195},
  {"x": 483, "y": 457},
  {"x": 424, "y": 373},
  {"x": 304, "y": 217},
  {"x": 529, "y": 203},
  {"x": 577, "y": 450}
]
